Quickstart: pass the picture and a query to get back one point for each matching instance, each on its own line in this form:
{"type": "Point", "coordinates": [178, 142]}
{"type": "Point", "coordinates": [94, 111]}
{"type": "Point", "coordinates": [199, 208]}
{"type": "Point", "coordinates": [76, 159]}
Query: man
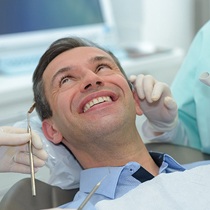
{"type": "Point", "coordinates": [85, 102]}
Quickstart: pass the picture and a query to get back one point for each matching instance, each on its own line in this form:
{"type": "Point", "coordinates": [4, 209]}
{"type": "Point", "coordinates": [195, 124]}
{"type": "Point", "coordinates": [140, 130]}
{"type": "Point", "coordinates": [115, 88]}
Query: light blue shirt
{"type": "Point", "coordinates": [117, 182]}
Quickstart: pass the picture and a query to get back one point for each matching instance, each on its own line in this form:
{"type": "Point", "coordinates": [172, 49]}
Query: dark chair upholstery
{"type": "Point", "coordinates": [19, 196]}
{"type": "Point", "coordinates": [182, 154]}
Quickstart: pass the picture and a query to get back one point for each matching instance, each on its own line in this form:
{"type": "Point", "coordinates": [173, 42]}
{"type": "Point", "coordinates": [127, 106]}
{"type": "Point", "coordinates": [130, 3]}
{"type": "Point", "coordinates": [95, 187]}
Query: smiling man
{"type": "Point", "coordinates": [85, 101]}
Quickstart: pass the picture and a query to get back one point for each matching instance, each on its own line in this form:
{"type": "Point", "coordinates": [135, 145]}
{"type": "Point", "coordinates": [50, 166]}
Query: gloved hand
{"type": "Point", "coordinates": [14, 156]}
{"type": "Point", "coordinates": [157, 103]}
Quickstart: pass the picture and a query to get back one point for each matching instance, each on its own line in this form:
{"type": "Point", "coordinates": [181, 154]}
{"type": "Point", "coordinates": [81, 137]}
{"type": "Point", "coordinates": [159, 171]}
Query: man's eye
{"type": "Point", "coordinates": [64, 80]}
{"type": "Point", "coordinates": [102, 67]}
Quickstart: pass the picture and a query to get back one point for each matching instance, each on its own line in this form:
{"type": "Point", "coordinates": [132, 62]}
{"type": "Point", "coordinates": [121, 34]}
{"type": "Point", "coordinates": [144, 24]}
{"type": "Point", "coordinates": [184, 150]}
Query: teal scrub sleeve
{"type": "Point", "coordinates": [192, 96]}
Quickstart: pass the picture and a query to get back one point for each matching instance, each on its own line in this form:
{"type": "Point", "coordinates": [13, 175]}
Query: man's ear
{"type": "Point", "coordinates": [137, 102]}
{"type": "Point", "coordinates": [51, 132]}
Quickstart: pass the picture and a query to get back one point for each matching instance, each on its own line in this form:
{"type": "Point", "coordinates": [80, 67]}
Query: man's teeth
{"type": "Point", "coordinates": [96, 101]}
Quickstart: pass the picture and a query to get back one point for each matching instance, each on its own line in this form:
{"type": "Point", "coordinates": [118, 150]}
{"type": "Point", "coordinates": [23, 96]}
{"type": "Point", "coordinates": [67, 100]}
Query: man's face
{"type": "Point", "coordinates": [88, 95]}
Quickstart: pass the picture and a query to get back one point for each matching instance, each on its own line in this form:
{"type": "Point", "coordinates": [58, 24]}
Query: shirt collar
{"type": "Point", "coordinates": [90, 177]}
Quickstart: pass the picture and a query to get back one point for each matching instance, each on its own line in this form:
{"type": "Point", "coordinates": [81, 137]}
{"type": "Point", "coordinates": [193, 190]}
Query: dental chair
{"type": "Point", "coordinates": [182, 154]}
{"type": "Point", "coordinates": [19, 196]}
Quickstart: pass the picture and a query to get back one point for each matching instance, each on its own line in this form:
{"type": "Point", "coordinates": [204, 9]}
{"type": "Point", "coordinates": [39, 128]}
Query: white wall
{"type": "Point", "coordinates": [128, 18]}
{"type": "Point", "coordinates": [169, 23]}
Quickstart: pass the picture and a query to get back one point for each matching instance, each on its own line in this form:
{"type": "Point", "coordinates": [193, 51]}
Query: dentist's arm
{"type": "Point", "coordinates": [157, 103]}
{"type": "Point", "coordinates": [14, 155]}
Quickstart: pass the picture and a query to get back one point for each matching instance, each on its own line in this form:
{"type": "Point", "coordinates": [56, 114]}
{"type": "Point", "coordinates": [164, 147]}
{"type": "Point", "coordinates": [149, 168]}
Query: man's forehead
{"type": "Point", "coordinates": [79, 54]}
{"type": "Point", "coordinates": [86, 53]}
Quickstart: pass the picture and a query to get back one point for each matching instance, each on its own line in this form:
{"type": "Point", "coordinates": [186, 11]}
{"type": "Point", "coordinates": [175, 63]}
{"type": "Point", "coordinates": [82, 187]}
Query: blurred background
{"type": "Point", "coordinates": [148, 36]}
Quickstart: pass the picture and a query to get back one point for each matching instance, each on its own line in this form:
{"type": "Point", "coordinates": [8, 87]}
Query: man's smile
{"type": "Point", "coordinates": [96, 101]}
{"type": "Point", "coordinates": [97, 98]}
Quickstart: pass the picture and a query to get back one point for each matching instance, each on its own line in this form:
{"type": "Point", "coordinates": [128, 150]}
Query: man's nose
{"type": "Point", "coordinates": [91, 81]}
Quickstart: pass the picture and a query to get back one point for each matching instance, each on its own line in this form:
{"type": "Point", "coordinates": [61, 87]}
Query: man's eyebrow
{"type": "Point", "coordinates": [68, 68]}
{"type": "Point", "coordinates": [60, 71]}
{"type": "Point", "coordinates": [101, 58]}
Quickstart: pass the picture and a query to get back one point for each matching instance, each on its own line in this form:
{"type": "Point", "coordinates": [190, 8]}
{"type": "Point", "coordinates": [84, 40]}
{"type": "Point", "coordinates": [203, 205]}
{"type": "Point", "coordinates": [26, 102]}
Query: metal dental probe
{"type": "Point", "coordinates": [33, 186]}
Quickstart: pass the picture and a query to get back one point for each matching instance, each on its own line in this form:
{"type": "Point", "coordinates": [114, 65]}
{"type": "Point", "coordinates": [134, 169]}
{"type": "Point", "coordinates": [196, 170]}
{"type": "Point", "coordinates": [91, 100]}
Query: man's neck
{"type": "Point", "coordinates": [117, 153]}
